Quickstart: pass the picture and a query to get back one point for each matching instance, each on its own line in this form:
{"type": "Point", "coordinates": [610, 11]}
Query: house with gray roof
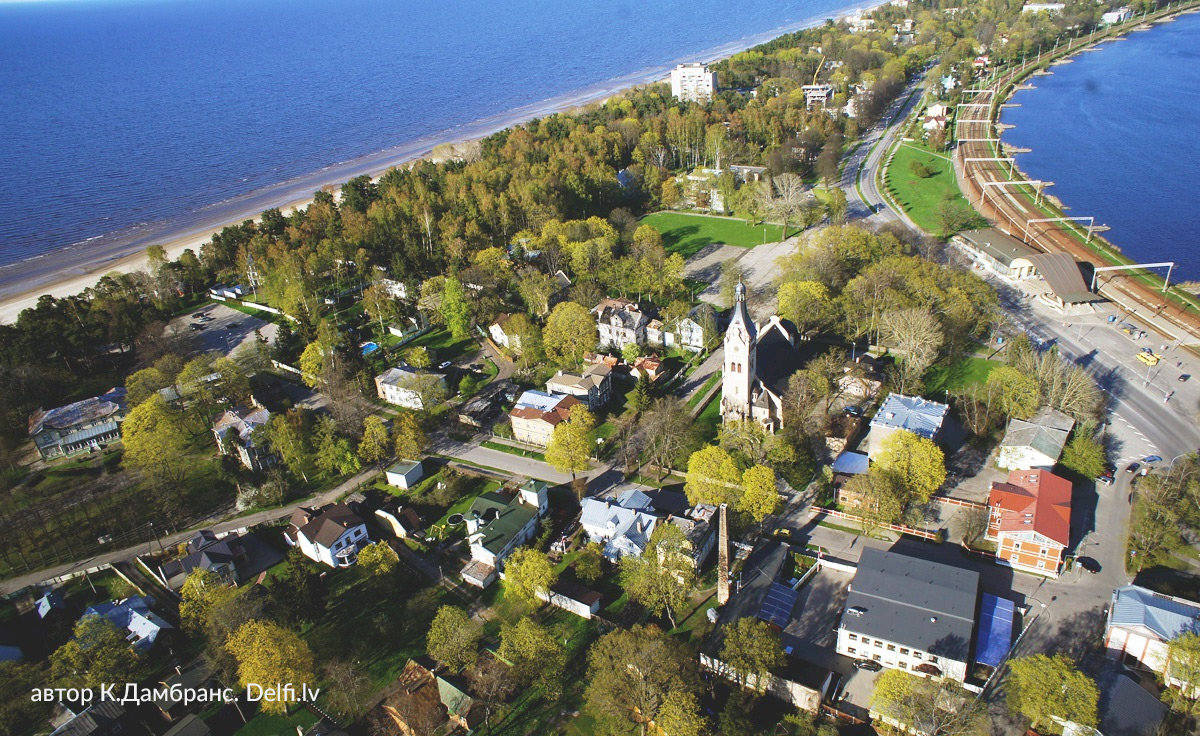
{"type": "Point", "coordinates": [237, 434]}
{"type": "Point", "coordinates": [1141, 625]}
{"type": "Point", "coordinates": [998, 252]}
{"type": "Point", "coordinates": [1035, 444]}
{"type": "Point", "coordinates": [914, 414]}
{"type": "Point", "coordinates": [134, 616]}
{"type": "Point", "coordinates": [910, 614]}
{"type": "Point", "coordinates": [621, 531]}
{"type": "Point", "coordinates": [593, 386]}
{"type": "Point", "coordinates": [620, 322]}
{"type": "Point", "coordinates": [497, 524]}
{"type": "Point", "coordinates": [79, 427]}
{"type": "Point", "coordinates": [220, 556]}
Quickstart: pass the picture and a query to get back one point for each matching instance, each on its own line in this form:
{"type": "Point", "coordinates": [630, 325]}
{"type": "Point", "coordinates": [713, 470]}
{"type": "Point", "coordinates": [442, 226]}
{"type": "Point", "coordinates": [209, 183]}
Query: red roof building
{"type": "Point", "coordinates": [1029, 519]}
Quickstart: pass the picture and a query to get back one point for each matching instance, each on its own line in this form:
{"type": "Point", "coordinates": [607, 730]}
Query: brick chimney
{"type": "Point", "coordinates": [723, 558]}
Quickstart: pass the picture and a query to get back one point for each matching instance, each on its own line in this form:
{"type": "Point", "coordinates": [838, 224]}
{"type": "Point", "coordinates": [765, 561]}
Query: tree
{"type": "Point", "coordinates": [570, 332]}
{"type": "Point", "coordinates": [143, 384]}
{"type": "Point", "coordinates": [377, 560]}
{"type": "Point", "coordinates": [18, 713]}
{"type": "Point", "coordinates": [785, 196]}
{"type": "Point", "coordinates": [571, 443]}
{"type": "Point", "coordinates": [589, 565]}
{"type": "Point", "coordinates": [456, 309]}
{"type": "Point", "coordinates": [289, 437]}
{"type": "Point", "coordinates": [1183, 674]}
{"type": "Point", "coordinates": [200, 592]}
{"type": "Point", "coordinates": [640, 398]}
{"type": "Point", "coordinates": [156, 441]}
{"type": "Point", "coordinates": [917, 336]}
{"type": "Point", "coordinates": [335, 454]}
{"type": "Point", "coordinates": [375, 445]}
{"type": "Point", "coordinates": [297, 594]}
{"type": "Point", "coordinates": [752, 649]}
{"type": "Point", "coordinates": [881, 500]}
{"type": "Point", "coordinates": [1040, 687]}
{"type": "Point", "coordinates": [952, 216]}
{"type": "Point", "coordinates": [630, 352]}
{"type": "Point", "coordinates": [491, 684]}
{"type": "Point", "coordinates": [935, 707]}
{"type": "Point", "coordinates": [313, 364]}
{"type": "Point", "coordinates": [1083, 455]}
{"type": "Point", "coordinates": [680, 715]}
{"type": "Point", "coordinates": [536, 655]}
{"type": "Point", "coordinates": [528, 572]}
{"type": "Point", "coordinates": [631, 673]}
{"type": "Point", "coordinates": [712, 477]}
{"type": "Point", "coordinates": [759, 498]}
{"type": "Point", "coordinates": [662, 578]}
{"type": "Point", "coordinates": [732, 274]}
{"type": "Point", "coordinates": [837, 206]}
{"type": "Point", "coordinates": [1016, 393]}
{"type": "Point", "coordinates": [268, 653]}
{"type": "Point", "coordinates": [352, 689]}
{"type": "Point", "coordinates": [453, 639]}
{"type": "Point", "coordinates": [663, 431]}
{"type": "Point", "coordinates": [410, 438]}
{"type": "Point", "coordinates": [806, 303]}
{"type": "Point", "coordinates": [97, 654]}
{"type": "Point", "coordinates": [917, 463]}
{"type": "Point", "coordinates": [418, 357]}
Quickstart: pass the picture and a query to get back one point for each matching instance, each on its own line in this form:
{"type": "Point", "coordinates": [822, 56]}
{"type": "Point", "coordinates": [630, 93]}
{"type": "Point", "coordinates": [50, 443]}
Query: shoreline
{"type": "Point", "coordinates": [73, 268]}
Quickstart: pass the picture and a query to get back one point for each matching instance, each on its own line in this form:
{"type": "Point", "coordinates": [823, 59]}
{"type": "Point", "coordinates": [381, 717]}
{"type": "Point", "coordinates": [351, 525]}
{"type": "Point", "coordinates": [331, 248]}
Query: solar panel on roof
{"type": "Point", "coordinates": [995, 629]}
{"type": "Point", "coordinates": [777, 605]}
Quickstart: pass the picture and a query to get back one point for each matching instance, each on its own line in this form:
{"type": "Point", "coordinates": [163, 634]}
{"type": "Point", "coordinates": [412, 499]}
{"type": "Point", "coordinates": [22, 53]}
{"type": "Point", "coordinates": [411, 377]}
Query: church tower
{"type": "Point", "coordinates": [741, 349]}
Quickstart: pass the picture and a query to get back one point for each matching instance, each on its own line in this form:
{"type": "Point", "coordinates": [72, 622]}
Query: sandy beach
{"type": "Point", "coordinates": [76, 267]}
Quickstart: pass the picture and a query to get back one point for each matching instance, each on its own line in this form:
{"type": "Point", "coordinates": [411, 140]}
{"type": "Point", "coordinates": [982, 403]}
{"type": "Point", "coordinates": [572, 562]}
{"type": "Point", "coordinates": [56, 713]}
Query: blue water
{"type": "Point", "coordinates": [1118, 132]}
{"type": "Point", "coordinates": [120, 113]}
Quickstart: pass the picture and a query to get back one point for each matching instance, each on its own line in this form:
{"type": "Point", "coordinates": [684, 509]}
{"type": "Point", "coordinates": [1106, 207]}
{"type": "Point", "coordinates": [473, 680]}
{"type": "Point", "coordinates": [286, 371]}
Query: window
{"type": "Point", "coordinates": [916, 655]}
{"type": "Point", "coordinates": [876, 657]}
{"type": "Point", "coordinates": [933, 659]}
{"type": "Point", "coordinates": [1017, 546]}
{"type": "Point", "coordinates": [1041, 564]}
{"type": "Point", "coordinates": [850, 650]}
{"type": "Point", "coordinates": [1045, 551]}
{"type": "Point", "coordinates": [878, 643]}
{"type": "Point", "coordinates": [903, 666]}
{"type": "Point", "coordinates": [853, 637]}
{"type": "Point", "coordinates": [891, 647]}
{"type": "Point", "coordinates": [904, 650]}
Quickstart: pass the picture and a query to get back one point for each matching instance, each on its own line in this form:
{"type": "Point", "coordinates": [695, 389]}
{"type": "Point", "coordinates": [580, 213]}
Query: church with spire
{"type": "Point", "coordinates": [759, 360]}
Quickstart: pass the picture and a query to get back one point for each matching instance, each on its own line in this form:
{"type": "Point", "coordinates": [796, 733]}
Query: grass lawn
{"type": "Point", "coordinates": [708, 420]}
{"type": "Point", "coordinates": [919, 196]}
{"type": "Point", "coordinates": [959, 374]}
{"type": "Point", "coordinates": [712, 381]}
{"type": "Point", "coordinates": [687, 234]}
{"type": "Point", "coordinates": [443, 345]}
{"type": "Point", "coordinates": [513, 450]}
{"type": "Point", "coordinates": [267, 724]}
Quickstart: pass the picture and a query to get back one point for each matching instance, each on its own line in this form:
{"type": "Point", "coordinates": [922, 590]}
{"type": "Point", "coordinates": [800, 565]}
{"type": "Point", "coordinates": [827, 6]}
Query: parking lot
{"type": "Point", "coordinates": [226, 331]}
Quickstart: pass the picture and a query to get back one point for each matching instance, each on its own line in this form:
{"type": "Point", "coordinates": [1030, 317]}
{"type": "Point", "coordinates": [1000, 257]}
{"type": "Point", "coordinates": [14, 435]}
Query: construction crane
{"type": "Point", "coordinates": [820, 64]}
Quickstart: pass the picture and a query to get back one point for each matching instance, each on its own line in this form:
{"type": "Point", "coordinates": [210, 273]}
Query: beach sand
{"type": "Point", "coordinates": [71, 270]}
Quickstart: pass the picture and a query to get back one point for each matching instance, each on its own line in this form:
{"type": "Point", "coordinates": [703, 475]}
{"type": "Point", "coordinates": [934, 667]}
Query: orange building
{"type": "Point", "coordinates": [1030, 521]}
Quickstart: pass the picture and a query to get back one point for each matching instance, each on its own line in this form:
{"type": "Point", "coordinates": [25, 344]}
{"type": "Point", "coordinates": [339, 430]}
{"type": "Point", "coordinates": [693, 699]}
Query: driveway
{"type": "Point", "coordinates": [228, 332]}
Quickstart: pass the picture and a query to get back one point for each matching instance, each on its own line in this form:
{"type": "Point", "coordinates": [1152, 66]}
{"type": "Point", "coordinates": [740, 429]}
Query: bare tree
{"type": "Point", "coordinates": [787, 197]}
{"type": "Point", "coordinates": [917, 336]}
{"type": "Point", "coordinates": [664, 431]}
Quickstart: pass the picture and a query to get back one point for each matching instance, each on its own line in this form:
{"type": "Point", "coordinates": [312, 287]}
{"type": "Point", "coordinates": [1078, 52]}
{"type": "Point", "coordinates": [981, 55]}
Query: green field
{"type": "Point", "coordinates": [959, 374]}
{"type": "Point", "coordinates": [688, 234]}
{"type": "Point", "coordinates": [919, 196]}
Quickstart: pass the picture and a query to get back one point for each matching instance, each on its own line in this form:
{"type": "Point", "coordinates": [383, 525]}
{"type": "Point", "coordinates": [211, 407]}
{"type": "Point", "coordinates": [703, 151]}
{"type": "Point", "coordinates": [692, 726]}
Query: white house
{"type": "Point", "coordinates": [243, 422]}
{"type": "Point", "coordinates": [536, 414]}
{"type": "Point", "coordinates": [1120, 15]}
{"type": "Point", "coordinates": [1141, 625]}
{"type": "Point", "coordinates": [410, 388]}
{"type": "Point", "coordinates": [332, 535]}
{"type": "Point", "coordinates": [502, 334]}
{"type": "Point", "coordinates": [497, 524]}
{"type": "Point", "coordinates": [1048, 8]}
{"type": "Point", "coordinates": [910, 614]}
{"type": "Point", "coordinates": [620, 323]}
{"type": "Point", "coordinates": [622, 531]}
{"type": "Point", "coordinates": [817, 94]}
{"type": "Point", "coordinates": [404, 473]}
{"type": "Point", "coordinates": [1036, 443]}
{"type": "Point", "coordinates": [401, 520]}
{"type": "Point", "coordinates": [593, 387]}
{"type": "Point", "coordinates": [693, 82]}
{"type": "Point", "coordinates": [909, 413]}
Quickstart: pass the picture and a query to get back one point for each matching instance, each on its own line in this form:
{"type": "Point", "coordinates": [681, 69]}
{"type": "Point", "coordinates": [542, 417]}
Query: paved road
{"type": "Point", "coordinates": [471, 452]}
{"type": "Point", "coordinates": [258, 517]}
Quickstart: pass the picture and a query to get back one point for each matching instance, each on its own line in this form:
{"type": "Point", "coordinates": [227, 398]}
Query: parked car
{"type": "Point", "coordinates": [869, 665]}
{"type": "Point", "coordinates": [1184, 376]}
{"type": "Point", "coordinates": [1151, 459]}
{"type": "Point", "coordinates": [853, 411]}
{"type": "Point", "coordinates": [445, 364]}
{"type": "Point", "coordinates": [1106, 478]}
{"type": "Point", "coordinates": [1087, 563]}
{"type": "Point", "coordinates": [197, 328]}
{"type": "Point", "coordinates": [1132, 467]}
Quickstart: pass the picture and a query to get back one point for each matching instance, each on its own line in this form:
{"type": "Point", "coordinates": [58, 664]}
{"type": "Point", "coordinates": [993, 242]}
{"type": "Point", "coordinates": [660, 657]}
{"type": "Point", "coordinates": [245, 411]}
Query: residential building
{"type": "Point", "coordinates": [758, 363]}
{"type": "Point", "coordinates": [395, 289]}
{"type": "Point", "coordinates": [1120, 15]}
{"type": "Point", "coordinates": [497, 524]}
{"type": "Point", "coordinates": [593, 386]}
{"type": "Point", "coordinates": [536, 414]}
{"type": "Point", "coordinates": [104, 717]}
{"type": "Point", "coordinates": [206, 551]}
{"type": "Point", "coordinates": [817, 94]}
{"type": "Point", "coordinates": [748, 174]}
{"type": "Point", "coordinates": [1029, 519]}
{"type": "Point", "coordinates": [401, 520]}
{"type": "Point", "coordinates": [430, 698]}
{"type": "Point", "coordinates": [620, 323]}
{"type": "Point", "coordinates": [1049, 8]}
{"type": "Point", "coordinates": [649, 367]}
{"type": "Point", "coordinates": [332, 535]}
{"type": "Point", "coordinates": [1036, 443]}
{"type": "Point", "coordinates": [404, 473]}
{"type": "Point", "coordinates": [189, 725]}
{"type": "Point", "coordinates": [910, 614]}
{"type": "Point", "coordinates": [410, 388]}
{"type": "Point", "coordinates": [84, 426]}
{"type": "Point", "coordinates": [909, 413]}
{"type": "Point", "coordinates": [503, 335]}
{"type": "Point", "coordinates": [698, 536]}
{"type": "Point", "coordinates": [659, 335]}
{"type": "Point", "coordinates": [860, 25]}
{"type": "Point", "coordinates": [621, 530]}
{"type": "Point", "coordinates": [931, 123]}
{"type": "Point", "coordinates": [573, 597]}
{"type": "Point", "coordinates": [689, 330]}
{"type": "Point", "coordinates": [693, 82]}
{"type": "Point", "coordinates": [133, 615]}
{"type": "Point", "coordinates": [172, 702]}
{"type": "Point", "coordinates": [1141, 625]}
{"type": "Point", "coordinates": [997, 252]}
{"type": "Point", "coordinates": [235, 433]}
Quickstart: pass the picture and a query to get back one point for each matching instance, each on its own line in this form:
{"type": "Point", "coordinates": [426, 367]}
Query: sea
{"type": "Point", "coordinates": [1118, 132]}
{"type": "Point", "coordinates": [127, 121]}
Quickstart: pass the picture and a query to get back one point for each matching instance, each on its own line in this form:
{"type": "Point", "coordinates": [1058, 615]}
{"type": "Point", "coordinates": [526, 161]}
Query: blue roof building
{"type": "Point", "coordinates": [1141, 624]}
{"type": "Point", "coordinates": [914, 414]}
{"type": "Point", "coordinates": [132, 614]}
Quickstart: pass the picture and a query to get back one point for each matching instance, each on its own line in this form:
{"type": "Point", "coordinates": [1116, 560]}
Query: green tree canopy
{"type": "Point", "coordinates": [759, 496]}
{"type": "Point", "coordinates": [155, 440]}
{"type": "Point", "coordinates": [752, 649]}
{"type": "Point", "coordinates": [453, 639]}
{"type": "Point", "coordinates": [928, 705]}
{"type": "Point", "coordinates": [662, 577]}
{"type": "Point", "coordinates": [536, 655]}
{"type": "Point", "coordinates": [571, 443]}
{"type": "Point", "coordinates": [376, 444]}
{"type": "Point", "coordinates": [269, 653]}
{"type": "Point", "coordinates": [1040, 687]}
{"type": "Point", "coordinates": [528, 572]}
{"type": "Point", "coordinates": [917, 463]}
{"type": "Point", "coordinates": [631, 672]}
{"type": "Point", "coordinates": [97, 654]}
{"type": "Point", "coordinates": [712, 477]}
{"type": "Point", "coordinates": [570, 332]}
